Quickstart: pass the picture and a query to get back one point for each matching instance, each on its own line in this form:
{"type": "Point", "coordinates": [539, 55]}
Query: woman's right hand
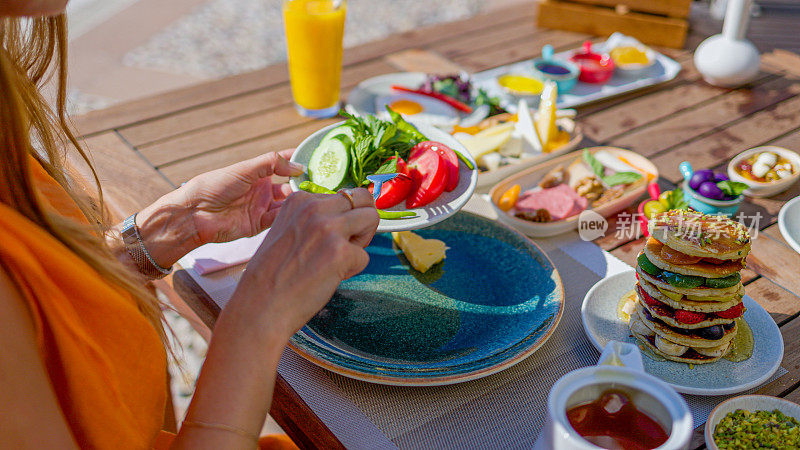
{"type": "Point", "coordinates": [316, 241]}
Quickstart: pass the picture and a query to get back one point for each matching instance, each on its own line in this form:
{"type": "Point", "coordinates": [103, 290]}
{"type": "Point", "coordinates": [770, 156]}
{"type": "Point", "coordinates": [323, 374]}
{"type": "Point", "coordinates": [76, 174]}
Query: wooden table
{"type": "Point", "coordinates": [154, 144]}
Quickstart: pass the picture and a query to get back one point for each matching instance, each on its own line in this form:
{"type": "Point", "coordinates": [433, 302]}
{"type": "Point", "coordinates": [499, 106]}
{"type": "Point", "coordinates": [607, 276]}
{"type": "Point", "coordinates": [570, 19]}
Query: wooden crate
{"type": "Point", "coordinates": [602, 20]}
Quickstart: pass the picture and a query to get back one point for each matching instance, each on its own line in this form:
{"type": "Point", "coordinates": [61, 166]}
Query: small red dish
{"type": "Point", "coordinates": [595, 67]}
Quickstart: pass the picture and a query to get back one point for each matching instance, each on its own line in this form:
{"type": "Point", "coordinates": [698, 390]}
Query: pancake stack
{"type": "Point", "coordinates": [690, 289]}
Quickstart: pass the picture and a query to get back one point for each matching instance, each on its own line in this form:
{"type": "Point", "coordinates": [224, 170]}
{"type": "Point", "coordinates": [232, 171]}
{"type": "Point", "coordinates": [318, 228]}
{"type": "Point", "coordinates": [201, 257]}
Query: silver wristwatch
{"type": "Point", "coordinates": [135, 247]}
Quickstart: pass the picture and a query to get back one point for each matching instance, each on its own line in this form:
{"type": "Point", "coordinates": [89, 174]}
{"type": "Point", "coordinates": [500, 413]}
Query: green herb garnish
{"type": "Point", "coordinates": [621, 178]}
{"type": "Point", "coordinates": [610, 180]}
{"type": "Point", "coordinates": [674, 199]}
{"type": "Point", "coordinates": [374, 141]}
{"type": "Point", "coordinates": [597, 166]}
{"type": "Point", "coordinates": [732, 188]}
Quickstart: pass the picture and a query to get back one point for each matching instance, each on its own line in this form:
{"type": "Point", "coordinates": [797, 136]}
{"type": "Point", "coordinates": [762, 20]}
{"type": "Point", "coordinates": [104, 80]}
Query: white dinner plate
{"type": "Point", "coordinates": [789, 223]}
{"type": "Point", "coordinates": [601, 324]}
{"type": "Point", "coordinates": [440, 209]}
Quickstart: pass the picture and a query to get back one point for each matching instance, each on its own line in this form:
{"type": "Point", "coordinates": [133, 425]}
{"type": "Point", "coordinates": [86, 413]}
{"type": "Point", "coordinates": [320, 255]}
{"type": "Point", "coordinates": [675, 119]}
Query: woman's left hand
{"type": "Point", "coordinates": [239, 200]}
{"type": "Point", "coordinates": [222, 205]}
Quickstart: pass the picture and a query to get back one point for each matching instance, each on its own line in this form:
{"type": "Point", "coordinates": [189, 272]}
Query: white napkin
{"type": "Point", "coordinates": [211, 258]}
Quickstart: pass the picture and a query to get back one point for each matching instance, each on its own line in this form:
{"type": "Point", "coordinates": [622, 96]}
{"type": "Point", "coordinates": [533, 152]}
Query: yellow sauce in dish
{"type": "Point", "coordinates": [521, 84]}
{"type": "Point", "coordinates": [629, 55]}
{"type": "Point", "coordinates": [742, 344]}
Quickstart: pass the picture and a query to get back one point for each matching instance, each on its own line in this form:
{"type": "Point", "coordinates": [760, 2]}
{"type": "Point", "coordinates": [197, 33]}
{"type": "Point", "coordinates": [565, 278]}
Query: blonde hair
{"type": "Point", "coordinates": [31, 51]}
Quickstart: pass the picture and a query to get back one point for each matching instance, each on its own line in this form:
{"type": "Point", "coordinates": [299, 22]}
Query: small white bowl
{"type": "Point", "coordinates": [757, 188]}
{"type": "Point", "coordinates": [750, 403]}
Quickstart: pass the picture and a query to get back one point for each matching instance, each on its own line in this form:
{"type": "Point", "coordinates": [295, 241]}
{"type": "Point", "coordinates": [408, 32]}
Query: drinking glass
{"type": "Point", "coordinates": [314, 32]}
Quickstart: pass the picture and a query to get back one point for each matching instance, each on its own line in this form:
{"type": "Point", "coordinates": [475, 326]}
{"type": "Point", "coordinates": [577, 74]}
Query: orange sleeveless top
{"type": "Point", "coordinates": [105, 361]}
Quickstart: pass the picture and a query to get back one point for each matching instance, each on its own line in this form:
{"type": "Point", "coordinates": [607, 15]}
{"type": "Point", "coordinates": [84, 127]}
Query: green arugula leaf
{"type": "Point", "coordinates": [621, 178]}
{"type": "Point", "coordinates": [732, 188]}
{"type": "Point", "coordinates": [597, 166]}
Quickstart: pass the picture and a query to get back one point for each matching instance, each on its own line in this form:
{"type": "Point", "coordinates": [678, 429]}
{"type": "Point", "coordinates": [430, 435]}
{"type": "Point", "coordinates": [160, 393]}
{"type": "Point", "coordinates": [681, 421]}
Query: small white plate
{"type": "Point", "coordinates": [601, 324]}
{"type": "Point", "coordinates": [443, 207]}
{"type": "Point", "coordinates": [750, 403]}
{"type": "Point", "coordinates": [789, 223]}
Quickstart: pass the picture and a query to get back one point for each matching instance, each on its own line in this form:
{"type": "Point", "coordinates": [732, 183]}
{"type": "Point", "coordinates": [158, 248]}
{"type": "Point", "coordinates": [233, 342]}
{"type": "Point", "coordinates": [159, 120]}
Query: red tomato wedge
{"type": "Point", "coordinates": [396, 190]}
{"type": "Point", "coordinates": [449, 157]}
{"type": "Point", "coordinates": [429, 172]}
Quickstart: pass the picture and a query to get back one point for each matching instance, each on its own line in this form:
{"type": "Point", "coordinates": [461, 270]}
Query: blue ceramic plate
{"type": "Point", "coordinates": [492, 302]}
{"type": "Point", "coordinates": [599, 313]}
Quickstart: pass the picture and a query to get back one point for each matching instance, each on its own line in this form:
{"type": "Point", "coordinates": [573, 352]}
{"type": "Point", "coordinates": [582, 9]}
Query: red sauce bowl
{"type": "Point", "coordinates": [595, 67]}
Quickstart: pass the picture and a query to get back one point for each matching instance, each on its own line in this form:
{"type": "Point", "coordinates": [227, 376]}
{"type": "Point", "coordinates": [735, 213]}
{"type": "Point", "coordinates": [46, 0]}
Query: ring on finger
{"type": "Point", "coordinates": [346, 194]}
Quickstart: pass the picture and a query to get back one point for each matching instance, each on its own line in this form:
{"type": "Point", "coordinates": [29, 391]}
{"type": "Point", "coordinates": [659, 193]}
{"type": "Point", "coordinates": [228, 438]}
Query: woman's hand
{"type": "Point", "coordinates": [239, 200]}
{"type": "Point", "coordinates": [218, 206]}
{"type": "Point", "coordinates": [316, 242]}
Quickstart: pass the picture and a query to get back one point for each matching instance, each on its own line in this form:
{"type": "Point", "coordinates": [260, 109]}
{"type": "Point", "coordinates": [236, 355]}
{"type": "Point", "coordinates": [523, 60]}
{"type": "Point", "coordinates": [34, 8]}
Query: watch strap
{"type": "Point", "coordinates": [138, 252]}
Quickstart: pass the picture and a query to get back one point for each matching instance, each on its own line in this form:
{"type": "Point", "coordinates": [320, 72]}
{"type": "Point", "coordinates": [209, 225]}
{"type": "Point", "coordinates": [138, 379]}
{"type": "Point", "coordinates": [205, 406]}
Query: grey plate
{"type": "Point", "coordinates": [443, 207]}
{"type": "Point", "coordinates": [599, 314]}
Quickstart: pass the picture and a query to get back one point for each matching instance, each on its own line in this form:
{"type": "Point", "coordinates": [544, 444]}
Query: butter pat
{"type": "Point", "coordinates": [421, 253]}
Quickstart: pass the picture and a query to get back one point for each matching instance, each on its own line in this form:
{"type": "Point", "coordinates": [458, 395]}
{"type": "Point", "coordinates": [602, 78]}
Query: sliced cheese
{"type": "Point", "coordinates": [546, 116]}
{"type": "Point", "coordinates": [480, 145]}
{"type": "Point", "coordinates": [421, 253]}
{"type": "Point", "coordinates": [525, 129]}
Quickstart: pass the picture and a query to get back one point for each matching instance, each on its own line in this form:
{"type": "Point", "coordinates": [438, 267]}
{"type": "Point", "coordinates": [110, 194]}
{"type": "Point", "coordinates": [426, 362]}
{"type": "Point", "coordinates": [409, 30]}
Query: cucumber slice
{"type": "Point", "coordinates": [345, 131]}
{"type": "Point", "coordinates": [730, 280]}
{"type": "Point", "coordinates": [647, 266]}
{"type": "Point", "coordinates": [683, 281]}
{"type": "Point", "coordinates": [329, 163]}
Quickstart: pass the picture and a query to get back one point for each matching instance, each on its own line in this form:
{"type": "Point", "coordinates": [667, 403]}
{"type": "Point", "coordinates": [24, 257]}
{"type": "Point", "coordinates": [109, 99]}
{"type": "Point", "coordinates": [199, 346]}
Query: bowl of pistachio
{"type": "Point", "coordinates": [754, 421]}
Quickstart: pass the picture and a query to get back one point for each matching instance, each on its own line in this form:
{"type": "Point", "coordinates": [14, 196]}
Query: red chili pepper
{"type": "Point", "coordinates": [438, 96]}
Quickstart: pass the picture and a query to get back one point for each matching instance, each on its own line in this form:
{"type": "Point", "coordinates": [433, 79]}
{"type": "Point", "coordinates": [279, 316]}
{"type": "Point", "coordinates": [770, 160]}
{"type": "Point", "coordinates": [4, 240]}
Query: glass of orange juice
{"type": "Point", "coordinates": [314, 32]}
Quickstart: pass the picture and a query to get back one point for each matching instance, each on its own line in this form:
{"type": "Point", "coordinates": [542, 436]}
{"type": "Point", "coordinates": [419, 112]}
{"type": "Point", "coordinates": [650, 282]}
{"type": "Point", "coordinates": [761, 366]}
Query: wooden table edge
{"type": "Point", "coordinates": [288, 409]}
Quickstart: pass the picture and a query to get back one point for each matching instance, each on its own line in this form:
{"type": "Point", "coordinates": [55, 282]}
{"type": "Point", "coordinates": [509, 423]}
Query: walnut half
{"type": "Point", "coordinates": [589, 187]}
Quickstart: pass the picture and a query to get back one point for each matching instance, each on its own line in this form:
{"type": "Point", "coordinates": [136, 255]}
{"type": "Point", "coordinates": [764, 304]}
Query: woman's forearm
{"type": "Point", "coordinates": [237, 379]}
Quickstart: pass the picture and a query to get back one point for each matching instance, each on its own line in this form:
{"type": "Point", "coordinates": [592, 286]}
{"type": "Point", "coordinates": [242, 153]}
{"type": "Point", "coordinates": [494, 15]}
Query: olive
{"type": "Point", "coordinates": [712, 333]}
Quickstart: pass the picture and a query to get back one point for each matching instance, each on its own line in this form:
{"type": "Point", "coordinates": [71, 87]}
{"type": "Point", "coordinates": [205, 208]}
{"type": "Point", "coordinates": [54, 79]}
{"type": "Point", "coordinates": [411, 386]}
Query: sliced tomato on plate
{"type": "Point", "coordinates": [449, 157]}
{"type": "Point", "coordinates": [395, 190]}
{"type": "Point", "coordinates": [428, 170]}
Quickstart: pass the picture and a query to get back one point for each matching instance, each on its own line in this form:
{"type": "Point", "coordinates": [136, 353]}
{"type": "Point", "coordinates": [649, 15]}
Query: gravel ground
{"type": "Point", "coordinates": [226, 37]}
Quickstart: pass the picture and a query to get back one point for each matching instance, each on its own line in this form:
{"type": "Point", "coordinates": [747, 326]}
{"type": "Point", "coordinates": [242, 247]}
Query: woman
{"type": "Point", "coordinates": [83, 361]}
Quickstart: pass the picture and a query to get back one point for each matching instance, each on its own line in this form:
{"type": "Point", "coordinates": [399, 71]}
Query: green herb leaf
{"type": "Point", "coordinates": [675, 200]}
{"type": "Point", "coordinates": [732, 188]}
{"type": "Point", "coordinates": [622, 178]}
{"type": "Point", "coordinates": [597, 166]}
{"type": "Point", "coordinates": [389, 166]}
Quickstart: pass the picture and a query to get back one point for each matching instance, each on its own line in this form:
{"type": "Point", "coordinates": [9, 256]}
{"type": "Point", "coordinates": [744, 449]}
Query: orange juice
{"type": "Point", "coordinates": [314, 32]}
